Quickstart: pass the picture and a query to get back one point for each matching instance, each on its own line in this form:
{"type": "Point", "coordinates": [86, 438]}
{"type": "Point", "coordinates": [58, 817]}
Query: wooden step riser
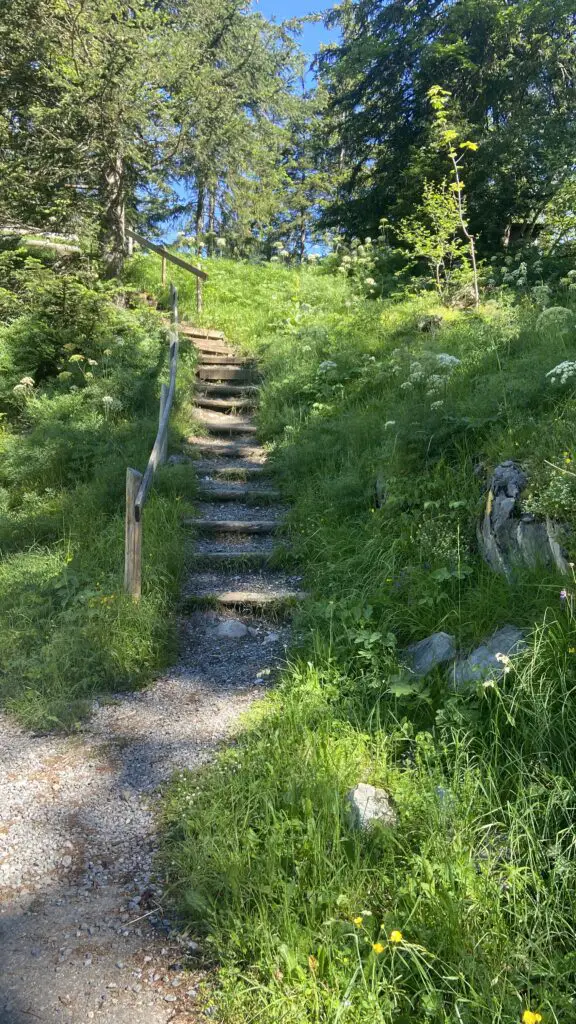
{"type": "Point", "coordinates": [210, 467]}
{"type": "Point", "coordinates": [201, 333]}
{"type": "Point", "coordinates": [244, 599]}
{"type": "Point", "coordinates": [227, 390]}
{"type": "Point", "coordinates": [221, 373]}
{"type": "Point", "coordinates": [221, 405]}
{"type": "Point", "coordinates": [222, 429]}
{"type": "Point", "coordinates": [228, 360]}
{"type": "Point", "coordinates": [229, 451]}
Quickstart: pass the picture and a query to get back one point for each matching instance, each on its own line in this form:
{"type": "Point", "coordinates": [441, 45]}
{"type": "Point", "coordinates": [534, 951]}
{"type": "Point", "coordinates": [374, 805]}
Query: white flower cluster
{"type": "Point", "coordinates": [327, 365]}
{"type": "Point", "coordinates": [562, 373]}
{"type": "Point", "coordinates": [432, 373]}
{"type": "Point", "coordinates": [555, 319]}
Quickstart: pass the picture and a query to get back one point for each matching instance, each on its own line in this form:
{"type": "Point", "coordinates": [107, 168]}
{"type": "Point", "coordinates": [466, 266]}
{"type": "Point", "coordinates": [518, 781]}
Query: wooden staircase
{"type": "Point", "coordinates": [239, 518]}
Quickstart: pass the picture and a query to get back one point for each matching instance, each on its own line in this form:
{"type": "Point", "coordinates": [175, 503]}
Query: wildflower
{"type": "Point", "coordinates": [572, 650]}
{"type": "Point", "coordinates": [377, 947]}
{"type": "Point", "coordinates": [358, 920]}
{"type": "Point", "coordinates": [503, 659]}
{"type": "Point", "coordinates": [528, 1017]}
{"type": "Point", "coordinates": [366, 913]}
{"type": "Point", "coordinates": [313, 964]}
{"type": "Point", "coordinates": [396, 936]}
{"type": "Point", "coordinates": [563, 595]}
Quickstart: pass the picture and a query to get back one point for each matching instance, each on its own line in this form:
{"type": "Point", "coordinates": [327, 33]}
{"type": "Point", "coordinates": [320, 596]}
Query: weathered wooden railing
{"type": "Point", "coordinates": [200, 275]}
{"type": "Point", "coordinates": [137, 484]}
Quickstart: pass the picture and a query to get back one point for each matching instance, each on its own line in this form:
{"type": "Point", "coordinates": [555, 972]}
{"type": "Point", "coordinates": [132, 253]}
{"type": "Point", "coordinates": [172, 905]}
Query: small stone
{"type": "Point", "coordinates": [66, 861]}
{"type": "Point", "coordinates": [137, 988]}
{"type": "Point", "coordinates": [68, 845]}
{"type": "Point", "coordinates": [120, 965]}
{"type": "Point", "coordinates": [272, 638]}
{"type": "Point", "coordinates": [126, 795]}
{"type": "Point", "coordinates": [368, 804]}
{"type": "Point", "coordinates": [170, 999]}
{"type": "Point", "coordinates": [231, 629]}
{"type": "Point", "coordinates": [112, 984]}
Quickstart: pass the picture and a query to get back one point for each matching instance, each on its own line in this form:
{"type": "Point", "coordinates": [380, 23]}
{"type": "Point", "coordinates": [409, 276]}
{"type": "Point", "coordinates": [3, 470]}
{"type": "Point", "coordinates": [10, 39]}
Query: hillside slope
{"type": "Point", "coordinates": [386, 420]}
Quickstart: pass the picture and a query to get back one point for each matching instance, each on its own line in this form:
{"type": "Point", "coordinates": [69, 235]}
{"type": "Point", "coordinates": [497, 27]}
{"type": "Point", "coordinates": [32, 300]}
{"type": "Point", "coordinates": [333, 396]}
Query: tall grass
{"type": "Point", "coordinates": [386, 469]}
{"type": "Point", "coordinates": [88, 410]}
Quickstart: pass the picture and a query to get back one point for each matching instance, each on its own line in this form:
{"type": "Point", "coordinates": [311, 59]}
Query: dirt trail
{"type": "Point", "coordinates": [83, 928]}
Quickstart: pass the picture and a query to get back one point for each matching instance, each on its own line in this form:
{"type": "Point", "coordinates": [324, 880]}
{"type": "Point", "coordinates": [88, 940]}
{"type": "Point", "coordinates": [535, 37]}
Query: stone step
{"type": "Point", "coordinates": [247, 526]}
{"type": "Point", "coordinates": [221, 423]}
{"type": "Point", "coordinates": [240, 374]}
{"type": "Point", "coordinates": [224, 404]}
{"type": "Point", "coordinates": [250, 495]}
{"type": "Point", "coordinates": [227, 390]}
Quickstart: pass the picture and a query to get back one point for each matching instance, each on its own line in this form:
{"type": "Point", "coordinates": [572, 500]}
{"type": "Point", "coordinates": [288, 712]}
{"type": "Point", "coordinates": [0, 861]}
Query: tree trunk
{"type": "Point", "coordinates": [212, 222]}
{"type": "Point", "coordinates": [113, 217]}
{"type": "Point", "coordinates": [199, 217]}
{"type": "Point", "coordinates": [302, 236]}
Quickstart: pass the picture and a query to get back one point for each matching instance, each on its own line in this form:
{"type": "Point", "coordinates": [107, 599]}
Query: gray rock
{"type": "Point", "coordinates": [507, 537]}
{"type": "Point", "coordinates": [231, 629]}
{"type": "Point", "coordinates": [425, 655]}
{"type": "Point", "coordinates": [484, 663]}
{"type": "Point", "coordinates": [368, 804]}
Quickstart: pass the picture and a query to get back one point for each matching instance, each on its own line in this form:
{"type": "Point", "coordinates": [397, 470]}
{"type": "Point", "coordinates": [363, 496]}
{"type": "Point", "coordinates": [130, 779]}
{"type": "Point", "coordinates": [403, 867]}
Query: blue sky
{"type": "Point", "coordinates": [279, 10]}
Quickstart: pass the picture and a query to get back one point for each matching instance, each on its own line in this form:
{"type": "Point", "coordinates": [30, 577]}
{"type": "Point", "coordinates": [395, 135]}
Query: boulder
{"type": "Point", "coordinates": [368, 804]}
{"type": "Point", "coordinates": [422, 657]}
{"type": "Point", "coordinates": [507, 537]}
{"type": "Point", "coordinates": [488, 661]}
{"type": "Point", "coordinates": [231, 629]}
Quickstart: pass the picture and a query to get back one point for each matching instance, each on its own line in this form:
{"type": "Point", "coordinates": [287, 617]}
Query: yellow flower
{"type": "Point", "coordinates": [396, 936]}
{"type": "Point", "coordinates": [531, 1018]}
{"type": "Point", "coordinates": [358, 921]}
{"type": "Point", "coordinates": [378, 947]}
{"type": "Point", "coordinates": [572, 650]}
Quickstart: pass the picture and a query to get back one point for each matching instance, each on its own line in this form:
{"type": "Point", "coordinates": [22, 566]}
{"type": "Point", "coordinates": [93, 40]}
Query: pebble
{"type": "Point", "coordinates": [66, 861]}
{"type": "Point", "coordinates": [170, 999]}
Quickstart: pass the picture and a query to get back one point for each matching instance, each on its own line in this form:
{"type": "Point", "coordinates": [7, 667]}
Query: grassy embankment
{"type": "Point", "coordinates": [80, 379]}
{"type": "Point", "coordinates": [479, 876]}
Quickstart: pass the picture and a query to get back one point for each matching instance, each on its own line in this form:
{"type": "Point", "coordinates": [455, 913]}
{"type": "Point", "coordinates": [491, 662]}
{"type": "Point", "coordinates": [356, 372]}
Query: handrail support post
{"type": "Point", "coordinates": [133, 538]}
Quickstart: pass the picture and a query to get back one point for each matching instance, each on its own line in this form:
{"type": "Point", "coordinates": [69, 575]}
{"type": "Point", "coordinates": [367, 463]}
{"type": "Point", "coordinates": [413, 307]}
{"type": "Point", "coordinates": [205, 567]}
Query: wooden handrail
{"type": "Point", "coordinates": [138, 485]}
{"type": "Point", "coordinates": [159, 446]}
{"type": "Point", "coordinates": [166, 254]}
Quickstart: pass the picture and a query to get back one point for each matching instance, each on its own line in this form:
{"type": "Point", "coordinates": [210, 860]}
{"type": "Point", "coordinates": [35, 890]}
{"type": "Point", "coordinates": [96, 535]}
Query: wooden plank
{"type": "Point", "coordinates": [224, 404]}
{"type": "Point", "coordinates": [199, 295]}
{"type": "Point", "coordinates": [133, 538]}
{"type": "Point", "coordinates": [163, 274]}
{"type": "Point", "coordinates": [178, 262]}
{"type": "Point", "coordinates": [233, 373]}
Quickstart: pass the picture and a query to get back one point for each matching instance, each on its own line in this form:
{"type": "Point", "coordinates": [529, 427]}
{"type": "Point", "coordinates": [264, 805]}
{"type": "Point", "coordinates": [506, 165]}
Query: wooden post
{"type": "Point", "coordinates": [133, 538]}
{"type": "Point", "coordinates": [199, 295]}
{"type": "Point", "coordinates": [163, 271]}
{"type": "Point", "coordinates": [164, 447]}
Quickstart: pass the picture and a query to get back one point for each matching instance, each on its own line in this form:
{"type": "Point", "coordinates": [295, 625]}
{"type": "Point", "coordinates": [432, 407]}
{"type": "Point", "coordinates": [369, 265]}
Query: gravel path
{"type": "Point", "coordinates": [83, 929]}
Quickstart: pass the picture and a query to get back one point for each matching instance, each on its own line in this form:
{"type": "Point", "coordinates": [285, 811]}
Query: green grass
{"type": "Point", "coordinates": [479, 875]}
{"type": "Point", "coordinates": [67, 631]}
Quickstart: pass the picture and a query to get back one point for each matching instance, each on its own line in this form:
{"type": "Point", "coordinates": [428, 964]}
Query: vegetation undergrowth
{"type": "Point", "coordinates": [385, 419]}
{"type": "Point", "coordinates": [81, 374]}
